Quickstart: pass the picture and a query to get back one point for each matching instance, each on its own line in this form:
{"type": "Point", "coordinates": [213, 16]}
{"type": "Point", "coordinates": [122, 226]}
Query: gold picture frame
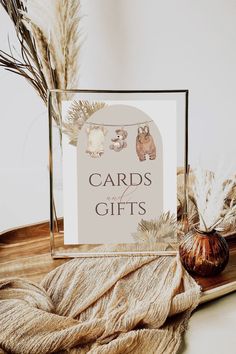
{"type": "Point", "coordinates": [57, 246]}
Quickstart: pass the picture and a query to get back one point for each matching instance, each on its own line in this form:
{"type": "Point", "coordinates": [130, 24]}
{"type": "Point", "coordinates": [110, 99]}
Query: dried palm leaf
{"type": "Point", "coordinates": [78, 113]}
{"type": "Point", "coordinates": [162, 230]}
{"type": "Point", "coordinates": [227, 222]}
{"type": "Point", "coordinates": [231, 198]}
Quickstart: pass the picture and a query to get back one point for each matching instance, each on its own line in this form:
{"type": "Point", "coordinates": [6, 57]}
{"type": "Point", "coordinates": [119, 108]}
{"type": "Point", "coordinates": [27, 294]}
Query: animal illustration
{"type": "Point", "coordinates": [119, 143]}
{"type": "Point", "coordinates": [96, 140]}
{"type": "Point", "coordinates": [145, 145]}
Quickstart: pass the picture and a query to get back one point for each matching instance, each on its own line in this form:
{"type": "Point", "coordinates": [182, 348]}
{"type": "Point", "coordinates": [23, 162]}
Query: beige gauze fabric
{"type": "Point", "coordinates": [99, 306]}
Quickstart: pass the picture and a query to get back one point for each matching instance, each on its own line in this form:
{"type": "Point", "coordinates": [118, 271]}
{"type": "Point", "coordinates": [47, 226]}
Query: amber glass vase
{"type": "Point", "coordinates": [204, 253]}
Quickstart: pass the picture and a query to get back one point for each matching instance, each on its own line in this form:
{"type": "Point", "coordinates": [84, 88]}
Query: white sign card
{"type": "Point", "coordinates": [120, 169]}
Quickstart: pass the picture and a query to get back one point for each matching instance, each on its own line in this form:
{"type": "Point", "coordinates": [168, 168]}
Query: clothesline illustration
{"type": "Point", "coordinates": [118, 125]}
{"type": "Point", "coordinates": [96, 136]}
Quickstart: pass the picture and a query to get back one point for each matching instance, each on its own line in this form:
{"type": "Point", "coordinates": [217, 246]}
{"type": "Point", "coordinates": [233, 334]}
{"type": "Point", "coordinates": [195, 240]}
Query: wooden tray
{"type": "Point", "coordinates": [24, 252]}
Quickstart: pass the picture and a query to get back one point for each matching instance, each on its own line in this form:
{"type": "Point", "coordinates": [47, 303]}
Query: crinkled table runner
{"type": "Point", "coordinates": [99, 305]}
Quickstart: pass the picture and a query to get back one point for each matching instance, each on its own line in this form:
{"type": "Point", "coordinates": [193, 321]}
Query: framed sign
{"type": "Point", "coordinates": [114, 157]}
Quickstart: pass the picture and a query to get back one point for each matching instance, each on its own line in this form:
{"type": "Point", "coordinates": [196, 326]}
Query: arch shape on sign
{"type": "Point", "coordinates": [120, 174]}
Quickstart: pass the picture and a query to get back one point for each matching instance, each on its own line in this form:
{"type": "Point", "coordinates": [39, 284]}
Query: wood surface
{"type": "Point", "coordinates": [25, 253]}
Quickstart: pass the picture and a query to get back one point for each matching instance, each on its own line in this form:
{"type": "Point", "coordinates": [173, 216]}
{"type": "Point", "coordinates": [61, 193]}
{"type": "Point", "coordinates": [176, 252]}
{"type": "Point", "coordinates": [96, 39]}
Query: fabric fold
{"type": "Point", "coordinates": [99, 305]}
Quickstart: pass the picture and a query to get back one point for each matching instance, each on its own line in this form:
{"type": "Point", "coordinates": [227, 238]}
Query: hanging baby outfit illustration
{"type": "Point", "coordinates": [145, 145]}
{"type": "Point", "coordinates": [119, 142]}
{"type": "Point", "coordinates": [96, 140]}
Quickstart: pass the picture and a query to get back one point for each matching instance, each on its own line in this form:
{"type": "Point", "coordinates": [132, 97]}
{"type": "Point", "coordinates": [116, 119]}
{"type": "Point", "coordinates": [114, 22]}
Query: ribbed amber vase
{"type": "Point", "coordinates": [204, 253]}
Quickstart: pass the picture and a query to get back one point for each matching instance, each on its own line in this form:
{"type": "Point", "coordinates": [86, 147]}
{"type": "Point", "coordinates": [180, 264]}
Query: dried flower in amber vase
{"type": "Point", "coordinates": [204, 253]}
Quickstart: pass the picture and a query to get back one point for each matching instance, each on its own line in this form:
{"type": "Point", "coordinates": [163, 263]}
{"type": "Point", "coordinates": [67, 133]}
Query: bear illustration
{"type": "Point", "coordinates": [145, 145]}
{"type": "Point", "coordinates": [96, 140]}
{"type": "Point", "coordinates": [119, 143]}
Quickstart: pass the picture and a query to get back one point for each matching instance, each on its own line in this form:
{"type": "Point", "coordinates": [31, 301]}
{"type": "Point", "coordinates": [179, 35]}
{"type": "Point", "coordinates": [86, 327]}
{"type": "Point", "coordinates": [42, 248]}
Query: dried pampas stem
{"type": "Point", "coordinates": [210, 192]}
{"type": "Point", "coordinates": [225, 223]}
{"type": "Point", "coordinates": [27, 64]}
{"type": "Point", "coordinates": [58, 23]}
{"type": "Point", "coordinates": [67, 21]}
{"type": "Point", "coordinates": [45, 53]}
{"type": "Point", "coordinates": [48, 34]}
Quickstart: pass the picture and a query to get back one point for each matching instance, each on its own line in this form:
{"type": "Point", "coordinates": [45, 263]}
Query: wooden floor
{"type": "Point", "coordinates": [25, 253]}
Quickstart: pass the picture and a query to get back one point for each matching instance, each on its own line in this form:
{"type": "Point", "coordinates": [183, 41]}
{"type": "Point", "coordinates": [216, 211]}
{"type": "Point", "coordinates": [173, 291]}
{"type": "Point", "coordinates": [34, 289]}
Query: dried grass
{"type": "Point", "coordinates": [48, 33]}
